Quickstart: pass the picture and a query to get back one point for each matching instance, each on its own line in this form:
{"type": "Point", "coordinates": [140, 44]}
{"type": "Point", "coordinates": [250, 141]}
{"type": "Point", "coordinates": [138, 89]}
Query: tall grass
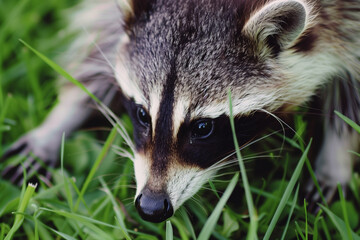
{"type": "Point", "coordinates": [91, 194]}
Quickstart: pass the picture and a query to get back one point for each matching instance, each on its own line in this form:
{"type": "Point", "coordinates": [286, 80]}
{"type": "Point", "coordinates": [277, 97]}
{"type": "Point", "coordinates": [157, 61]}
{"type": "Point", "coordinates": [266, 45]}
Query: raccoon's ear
{"type": "Point", "coordinates": [277, 24]}
{"type": "Point", "coordinates": [132, 9]}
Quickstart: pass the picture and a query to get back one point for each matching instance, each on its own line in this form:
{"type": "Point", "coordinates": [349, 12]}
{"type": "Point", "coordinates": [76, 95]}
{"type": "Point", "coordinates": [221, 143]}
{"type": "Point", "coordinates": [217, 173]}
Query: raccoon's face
{"type": "Point", "coordinates": [176, 66]}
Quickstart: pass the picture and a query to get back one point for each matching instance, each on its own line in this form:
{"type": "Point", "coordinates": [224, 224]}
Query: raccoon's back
{"type": "Point", "coordinates": [338, 26]}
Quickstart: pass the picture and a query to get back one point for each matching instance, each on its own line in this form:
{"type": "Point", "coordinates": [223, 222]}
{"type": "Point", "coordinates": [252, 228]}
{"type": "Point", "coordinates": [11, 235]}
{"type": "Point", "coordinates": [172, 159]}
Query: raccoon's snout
{"type": "Point", "coordinates": [154, 207]}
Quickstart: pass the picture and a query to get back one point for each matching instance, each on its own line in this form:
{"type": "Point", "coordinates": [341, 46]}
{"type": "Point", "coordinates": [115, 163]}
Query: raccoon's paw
{"type": "Point", "coordinates": [37, 155]}
{"type": "Point", "coordinates": [328, 191]}
{"type": "Point", "coordinates": [333, 165]}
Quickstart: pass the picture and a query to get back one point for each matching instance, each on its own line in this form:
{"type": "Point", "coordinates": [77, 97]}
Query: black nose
{"type": "Point", "coordinates": [154, 207]}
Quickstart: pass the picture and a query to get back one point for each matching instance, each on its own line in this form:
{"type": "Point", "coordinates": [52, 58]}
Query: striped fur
{"type": "Point", "coordinates": [175, 62]}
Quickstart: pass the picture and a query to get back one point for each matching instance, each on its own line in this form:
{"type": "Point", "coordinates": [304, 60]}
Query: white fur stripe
{"type": "Point", "coordinates": [179, 114]}
{"type": "Point", "coordinates": [128, 85]}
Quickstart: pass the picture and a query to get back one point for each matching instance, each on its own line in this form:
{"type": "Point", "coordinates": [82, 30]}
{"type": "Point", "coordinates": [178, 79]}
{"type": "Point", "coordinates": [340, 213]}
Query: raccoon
{"type": "Point", "coordinates": [171, 65]}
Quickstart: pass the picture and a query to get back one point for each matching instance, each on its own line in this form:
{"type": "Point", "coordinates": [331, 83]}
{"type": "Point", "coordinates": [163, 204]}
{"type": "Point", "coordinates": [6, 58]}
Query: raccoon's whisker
{"type": "Point", "coordinates": [206, 188]}
{"type": "Point", "coordinates": [125, 155]}
{"type": "Point", "coordinates": [113, 184]}
{"type": "Point", "coordinates": [112, 118]}
{"type": "Point", "coordinates": [196, 200]}
{"type": "Point", "coordinates": [123, 152]}
{"type": "Point", "coordinates": [258, 140]}
{"type": "Point", "coordinates": [266, 152]}
{"type": "Point", "coordinates": [116, 175]}
{"type": "Point", "coordinates": [183, 210]}
{"type": "Point", "coordinates": [234, 161]}
{"type": "Point", "coordinates": [115, 71]}
{"type": "Point", "coordinates": [100, 51]}
{"type": "Point", "coordinates": [119, 160]}
{"type": "Point", "coordinates": [97, 60]}
{"type": "Point", "coordinates": [282, 123]}
{"type": "Point", "coordinates": [247, 159]}
{"type": "Point", "coordinates": [129, 199]}
{"type": "Point", "coordinates": [220, 175]}
{"type": "Point", "coordinates": [297, 104]}
{"type": "Point", "coordinates": [221, 161]}
{"type": "Point", "coordinates": [241, 148]}
{"type": "Point", "coordinates": [123, 132]}
{"type": "Point", "coordinates": [116, 147]}
{"type": "Point", "coordinates": [129, 202]}
{"type": "Point", "coordinates": [124, 186]}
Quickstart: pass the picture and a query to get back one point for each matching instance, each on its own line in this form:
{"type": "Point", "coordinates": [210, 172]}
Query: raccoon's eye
{"type": "Point", "coordinates": [202, 129]}
{"type": "Point", "coordinates": [143, 117]}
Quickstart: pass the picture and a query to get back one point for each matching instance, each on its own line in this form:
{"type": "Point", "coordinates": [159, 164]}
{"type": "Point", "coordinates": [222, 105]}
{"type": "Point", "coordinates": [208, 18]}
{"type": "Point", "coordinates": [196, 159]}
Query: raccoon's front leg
{"type": "Point", "coordinates": [43, 143]}
{"type": "Point", "coordinates": [334, 163]}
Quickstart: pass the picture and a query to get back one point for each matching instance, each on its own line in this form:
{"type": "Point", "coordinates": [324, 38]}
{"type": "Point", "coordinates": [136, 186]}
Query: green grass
{"type": "Point", "coordinates": [91, 192]}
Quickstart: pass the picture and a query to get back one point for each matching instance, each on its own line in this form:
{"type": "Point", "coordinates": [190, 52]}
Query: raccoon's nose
{"type": "Point", "coordinates": [154, 207]}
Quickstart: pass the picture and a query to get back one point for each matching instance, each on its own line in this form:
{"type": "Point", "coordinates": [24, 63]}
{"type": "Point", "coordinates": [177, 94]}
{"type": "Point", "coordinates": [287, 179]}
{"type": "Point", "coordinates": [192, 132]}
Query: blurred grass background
{"type": "Point", "coordinates": [28, 91]}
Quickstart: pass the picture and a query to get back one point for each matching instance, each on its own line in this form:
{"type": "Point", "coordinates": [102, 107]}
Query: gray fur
{"type": "Point", "coordinates": [204, 40]}
{"type": "Point", "coordinates": [273, 55]}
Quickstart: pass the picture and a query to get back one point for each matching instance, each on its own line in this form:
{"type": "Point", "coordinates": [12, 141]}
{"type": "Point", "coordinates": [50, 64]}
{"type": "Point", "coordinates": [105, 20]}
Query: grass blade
{"type": "Point", "coordinates": [79, 218]}
{"type": "Point", "coordinates": [325, 229]}
{"type": "Point", "coordinates": [94, 168]}
{"type": "Point", "coordinates": [169, 231]}
{"type": "Point", "coordinates": [119, 215]}
{"type": "Point", "coordinates": [63, 235]}
{"type": "Point", "coordinates": [339, 224]}
{"type": "Point", "coordinates": [299, 231]}
{"type": "Point", "coordinates": [348, 121]}
{"type": "Point", "coordinates": [61, 71]}
{"type": "Point", "coordinates": [19, 218]}
{"type": "Point", "coordinates": [316, 223]}
{"type": "Point", "coordinates": [212, 220]}
{"type": "Point", "coordinates": [306, 221]}
{"type": "Point", "coordinates": [287, 193]}
{"type": "Point", "coordinates": [188, 224]}
{"type": "Point", "coordinates": [212, 186]}
{"type": "Point", "coordinates": [249, 200]}
{"type": "Point", "coordinates": [315, 181]}
{"type": "Point", "coordinates": [181, 228]}
{"type": "Point", "coordinates": [343, 206]}
{"type": "Point", "coordinates": [66, 182]}
{"type": "Point", "coordinates": [291, 212]}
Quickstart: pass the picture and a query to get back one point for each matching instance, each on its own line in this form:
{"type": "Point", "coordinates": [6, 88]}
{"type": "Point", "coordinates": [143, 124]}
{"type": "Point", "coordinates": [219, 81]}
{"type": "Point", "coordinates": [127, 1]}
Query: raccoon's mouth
{"type": "Point", "coordinates": [154, 207]}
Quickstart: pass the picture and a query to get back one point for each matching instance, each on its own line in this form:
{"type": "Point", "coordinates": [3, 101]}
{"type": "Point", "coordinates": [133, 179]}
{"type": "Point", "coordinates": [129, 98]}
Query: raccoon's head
{"type": "Point", "coordinates": [175, 66]}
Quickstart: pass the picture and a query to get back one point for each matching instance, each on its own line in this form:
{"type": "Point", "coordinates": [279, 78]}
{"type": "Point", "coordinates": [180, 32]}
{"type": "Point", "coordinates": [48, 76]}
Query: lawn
{"type": "Point", "coordinates": [91, 193]}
